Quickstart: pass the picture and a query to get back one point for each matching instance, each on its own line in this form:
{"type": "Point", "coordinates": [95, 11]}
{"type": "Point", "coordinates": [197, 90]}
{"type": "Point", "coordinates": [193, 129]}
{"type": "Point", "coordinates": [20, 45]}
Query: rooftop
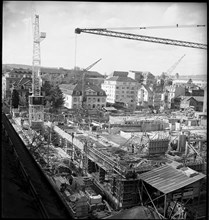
{"type": "Point", "coordinates": [121, 79]}
{"type": "Point", "coordinates": [168, 179]}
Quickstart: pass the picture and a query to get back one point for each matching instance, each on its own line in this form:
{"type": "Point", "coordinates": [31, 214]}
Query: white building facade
{"type": "Point", "coordinates": [121, 89]}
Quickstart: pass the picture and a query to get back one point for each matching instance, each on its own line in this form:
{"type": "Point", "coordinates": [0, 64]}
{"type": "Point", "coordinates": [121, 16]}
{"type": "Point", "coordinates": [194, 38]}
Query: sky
{"type": "Point", "coordinates": [63, 48]}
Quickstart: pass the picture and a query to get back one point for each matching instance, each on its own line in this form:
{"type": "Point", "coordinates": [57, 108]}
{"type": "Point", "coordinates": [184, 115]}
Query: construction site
{"type": "Point", "coordinates": [152, 164]}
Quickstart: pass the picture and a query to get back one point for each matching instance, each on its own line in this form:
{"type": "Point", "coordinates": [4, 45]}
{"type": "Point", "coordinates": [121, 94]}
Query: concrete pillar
{"type": "Point", "coordinates": [90, 166]}
{"type": "Point", "coordinates": [181, 143]}
{"type": "Point", "coordinates": [200, 146]}
{"type": "Point", "coordinates": [101, 175]}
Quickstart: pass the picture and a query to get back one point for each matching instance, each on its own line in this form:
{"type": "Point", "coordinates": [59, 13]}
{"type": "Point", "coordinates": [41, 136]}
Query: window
{"type": "Point", "coordinates": [98, 100]}
{"type": "Point", "coordinates": [89, 99]}
{"type": "Point", "coordinates": [101, 93]}
{"type": "Point", "coordinates": [74, 106]}
{"type": "Point", "coordinates": [93, 106]}
{"type": "Point", "coordinates": [127, 87]}
{"type": "Point", "coordinates": [75, 99]}
{"type": "Point", "coordinates": [117, 87]}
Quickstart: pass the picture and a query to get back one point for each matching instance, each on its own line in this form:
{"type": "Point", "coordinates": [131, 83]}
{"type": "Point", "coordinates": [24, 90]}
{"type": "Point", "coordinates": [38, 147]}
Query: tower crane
{"type": "Point", "coordinates": [36, 108]}
{"type": "Point", "coordinates": [83, 98]}
{"type": "Point", "coordinates": [172, 68]}
{"type": "Point", "coordinates": [166, 76]}
{"type": "Point", "coordinates": [109, 33]}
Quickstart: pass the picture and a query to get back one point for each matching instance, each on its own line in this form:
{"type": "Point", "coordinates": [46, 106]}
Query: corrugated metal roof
{"type": "Point", "coordinates": [168, 179]}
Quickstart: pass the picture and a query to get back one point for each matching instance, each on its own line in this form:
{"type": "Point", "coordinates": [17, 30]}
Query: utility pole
{"type": "Point", "coordinates": [36, 108]}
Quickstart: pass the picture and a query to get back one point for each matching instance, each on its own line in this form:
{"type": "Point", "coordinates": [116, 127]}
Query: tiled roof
{"type": "Point", "coordinates": [78, 87]}
{"type": "Point", "coordinates": [24, 80]}
{"type": "Point", "coordinates": [121, 79]}
{"type": "Point", "coordinates": [158, 89]}
{"type": "Point", "coordinates": [168, 179]}
{"type": "Point", "coordinates": [147, 88]}
{"type": "Point", "coordinates": [79, 73]}
{"type": "Point", "coordinates": [197, 98]}
{"type": "Point", "coordinates": [21, 71]}
{"type": "Point", "coordinates": [120, 73]}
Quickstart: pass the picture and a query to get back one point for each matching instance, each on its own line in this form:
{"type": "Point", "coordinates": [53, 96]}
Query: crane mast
{"type": "Point", "coordinates": [36, 108]}
{"type": "Point", "coordinates": [105, 32]}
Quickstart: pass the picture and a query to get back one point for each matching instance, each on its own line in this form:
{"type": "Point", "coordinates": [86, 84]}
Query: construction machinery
{"type": "Point", "coordinates": [36, 108]}
{"type": "Point", "coordinates": [109, 33]}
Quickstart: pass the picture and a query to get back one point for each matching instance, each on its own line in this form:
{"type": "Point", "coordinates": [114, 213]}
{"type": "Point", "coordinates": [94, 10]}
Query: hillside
{"type": "Point", "coordinates": [10, 66]}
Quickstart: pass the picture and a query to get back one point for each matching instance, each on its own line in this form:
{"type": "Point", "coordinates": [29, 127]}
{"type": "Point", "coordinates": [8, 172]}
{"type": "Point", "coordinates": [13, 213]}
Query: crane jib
{"type": "Point", "coordinates": [109, 33]}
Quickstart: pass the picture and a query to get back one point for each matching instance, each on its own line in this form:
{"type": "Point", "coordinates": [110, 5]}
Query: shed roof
{"type": "Point", "coordinates": [168, 179]}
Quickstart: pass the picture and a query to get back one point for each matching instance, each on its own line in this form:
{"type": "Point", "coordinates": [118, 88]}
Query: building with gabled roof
{"type": "Point", "coordinates": [195, 101]}
{"type": "Point", "coordinates": [157, 96]}
{"type": "Point", "coordinates": [171, 92]}
{"type": "Point", "coordinates": [10, 77]}
{"type": "Point", "coordinates": [95, 97]}
{"type": "Point", "coordinates": [145, 96]}
{"type": "Point", "coordinates": [121, 89]}
{"type": "Point", "coordinates": [144, 77]}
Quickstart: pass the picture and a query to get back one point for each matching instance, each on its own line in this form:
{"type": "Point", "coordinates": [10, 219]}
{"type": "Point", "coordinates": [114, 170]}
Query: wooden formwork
{"type": "Point", "coordinates": [127, 192]}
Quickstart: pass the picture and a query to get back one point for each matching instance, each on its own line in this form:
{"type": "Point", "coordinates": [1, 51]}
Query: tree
{"type": "Point", "coordinates": [15, 98]}
{"type": "Point", "coordinates": [47, 89]}
{"type": "Point", "coordinates": [53, 95]}
{"type": "Point", "coordinates": [177, 75]}
{"type": "Point", "coordinates": [57, 98]}
{"type": "Point", "coordinates": [190, 81]}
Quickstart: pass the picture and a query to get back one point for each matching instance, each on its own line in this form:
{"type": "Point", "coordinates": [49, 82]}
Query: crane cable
{"type": "Point", "coordinates": [75, 52]}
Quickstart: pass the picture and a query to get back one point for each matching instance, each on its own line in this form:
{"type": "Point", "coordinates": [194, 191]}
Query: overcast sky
{"type": "Point", "coordinates": [59, 20]}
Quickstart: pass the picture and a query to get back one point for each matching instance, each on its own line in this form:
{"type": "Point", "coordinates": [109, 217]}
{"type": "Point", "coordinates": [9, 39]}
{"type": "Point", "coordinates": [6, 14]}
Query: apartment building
{"type": "Point", "coordinates": [157, 96]}
{"type": "Point", "coordinates": [121, 89]}
{"type": "Point", "coordinates": [143, 77]}
{"type": "Point", "coordinates": [95, 97]}
{"type": "Point", "coordinates": [11, 77]}
{"type": "Point", "coordinates": [145, 96]}
{"type": "Point", "coordinates": [172, 92]}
